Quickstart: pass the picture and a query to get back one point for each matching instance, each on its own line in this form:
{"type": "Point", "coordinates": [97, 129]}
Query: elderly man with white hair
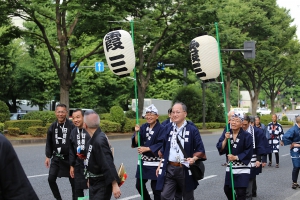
{"type": "Point", "coordinates": [150, 143]}
{"type": "Point", "coordinates": [102, 175]}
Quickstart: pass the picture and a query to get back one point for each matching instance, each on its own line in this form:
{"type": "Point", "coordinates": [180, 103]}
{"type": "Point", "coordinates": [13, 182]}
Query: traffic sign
{"type": "Point", "coordinates": [72, 65]}
{"type": "Point", "coordinates": [99, 66]}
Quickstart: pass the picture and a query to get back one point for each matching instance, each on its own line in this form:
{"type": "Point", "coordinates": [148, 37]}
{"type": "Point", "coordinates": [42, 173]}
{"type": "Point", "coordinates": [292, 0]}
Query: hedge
{"type": "Point", "coordinates": [45, 116]}
{"type": "Point", "coordinates": [4, 112]}
{"type": "Point", "coordinates": [23, 125]}
{"type": "Point", "coordinates": [210, 125]}
{"type": "Point", "coordinates": [13, 131]}
{"type": "Point", "coordinates": [105, 116]}
{"type": "Point", "coordinates": [48, 125]}
{"type": "Point", "coordinates": [37, 131]}
{"type": "Point", "coordinates": [110, 127]}
{"type": "Point", "coordinates": [129, 125]}
{"type": "Point", "coordinates": [286, 122]}
{"type": "Point", "coordinates": [1, 126]}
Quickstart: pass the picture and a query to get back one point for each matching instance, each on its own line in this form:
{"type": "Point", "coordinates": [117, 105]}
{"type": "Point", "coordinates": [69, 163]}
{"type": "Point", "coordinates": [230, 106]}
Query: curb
{"type": "Point", "coordinates": [111, 136]}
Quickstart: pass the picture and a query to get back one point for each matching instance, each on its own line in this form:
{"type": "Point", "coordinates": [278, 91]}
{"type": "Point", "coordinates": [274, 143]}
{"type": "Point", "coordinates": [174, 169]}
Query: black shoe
{"type": "Point", "coordinates": [254, 195]}
{"type": "Point", "coordinates": [295, 185]}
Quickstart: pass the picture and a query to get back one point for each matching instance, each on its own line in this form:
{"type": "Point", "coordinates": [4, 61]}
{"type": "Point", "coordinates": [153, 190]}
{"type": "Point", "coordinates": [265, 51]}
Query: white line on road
{"type": "Point", "coordinates": [136, 196]}
{"type": "Point", "coordinates": [37, 175]}
{"type": "Point", "coordinates": [285, 154]}
{"type": "Point", "coordinates": [210, 151]}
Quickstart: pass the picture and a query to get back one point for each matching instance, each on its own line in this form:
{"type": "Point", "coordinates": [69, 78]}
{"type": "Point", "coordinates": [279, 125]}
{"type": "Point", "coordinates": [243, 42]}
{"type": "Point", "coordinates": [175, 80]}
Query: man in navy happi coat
{"type": "Point", "coordinates": [241, 145]}
{"type": "Point", "coordinates": [174, 171]}
{"type": "Point", "coordinates": [150, 142]}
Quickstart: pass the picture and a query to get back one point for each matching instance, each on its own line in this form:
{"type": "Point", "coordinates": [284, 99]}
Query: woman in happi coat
{"type": "Point", "coordinates": [276, 132]}
{"type": "Point", "coordinates": [241, 144]}
{"type": "Point", "coordinates": [150, 142]}
{"type": "Point", "coordinates": [292, 138]}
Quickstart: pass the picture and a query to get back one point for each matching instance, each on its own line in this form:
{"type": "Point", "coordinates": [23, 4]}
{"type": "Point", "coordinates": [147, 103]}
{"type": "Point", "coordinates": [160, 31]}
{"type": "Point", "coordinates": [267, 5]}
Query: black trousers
{"type": "Point", "coordinates": [54, 188]}
{"type": "Point", "coordinates": [175, 178]}
{"type": "Point", "coordinates": [295, 174]}
{"type": "Point", "coordinates": [276, 157]}
{"type": "Point", "coordinates": [239, 191]}
{"type": "Point", "coordinates": [98, 189]}
{"type": "Point", "coordinates": [146, 195]}
{"type": "Point", "coordinates": [59, 168]}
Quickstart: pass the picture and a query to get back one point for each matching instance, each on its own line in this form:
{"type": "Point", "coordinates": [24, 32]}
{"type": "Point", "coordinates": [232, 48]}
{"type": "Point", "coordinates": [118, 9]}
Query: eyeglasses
{"type": "Point", "coordinates": [150, 113]}
{"type": "Point", "coordinates": [177, 112]}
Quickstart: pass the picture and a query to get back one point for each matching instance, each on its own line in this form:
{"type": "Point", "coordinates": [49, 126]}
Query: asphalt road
{"type": "Point", "coordinates": [273, 183]}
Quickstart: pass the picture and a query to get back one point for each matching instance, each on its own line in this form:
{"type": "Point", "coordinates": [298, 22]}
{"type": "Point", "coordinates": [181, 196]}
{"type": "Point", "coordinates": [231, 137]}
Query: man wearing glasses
{"type": "Point", "coordinates": [173, 171]}
{"type": "Point", "coordinates": [150, 142]}
{"type": "Point", "coordinates": [57, 149]}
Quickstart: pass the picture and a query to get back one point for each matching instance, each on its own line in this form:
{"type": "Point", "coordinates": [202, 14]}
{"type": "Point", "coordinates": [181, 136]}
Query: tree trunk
{"type": "Point", "coordinates": [64, 96]}
{"type": "Point", "coordinates": [272, 98]}
{"type": "Point", "coordinates": [254, 98]}
{"type": "Point", "coordinates": [141, 97]}
{"type": "Point", "coordinates": [227, 92]}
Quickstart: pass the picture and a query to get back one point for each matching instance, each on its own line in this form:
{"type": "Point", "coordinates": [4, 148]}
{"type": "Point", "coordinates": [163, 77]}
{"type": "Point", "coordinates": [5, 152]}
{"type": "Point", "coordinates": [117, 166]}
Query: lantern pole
{"type": "Point", "coordinates": [225, 109]}
{"type": "Point", "coordinates": [137, 116]}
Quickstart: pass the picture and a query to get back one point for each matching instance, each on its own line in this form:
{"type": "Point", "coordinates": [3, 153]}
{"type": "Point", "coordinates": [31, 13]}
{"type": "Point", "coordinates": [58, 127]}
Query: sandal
{"type": "Point", "coordinates": [270, 164]}
{"type": "Point", "coordinates": [277, 166]}
{"type": "Point", "coordinates": [295, 185]}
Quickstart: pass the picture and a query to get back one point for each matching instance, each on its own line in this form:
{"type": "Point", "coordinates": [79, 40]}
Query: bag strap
{"type": "Point", "coordinates": [180, 146]}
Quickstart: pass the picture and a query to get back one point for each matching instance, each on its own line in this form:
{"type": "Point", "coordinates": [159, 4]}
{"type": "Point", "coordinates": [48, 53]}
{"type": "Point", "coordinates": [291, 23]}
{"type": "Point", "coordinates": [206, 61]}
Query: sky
{"type": "Point", "coordinates": [294, 7]}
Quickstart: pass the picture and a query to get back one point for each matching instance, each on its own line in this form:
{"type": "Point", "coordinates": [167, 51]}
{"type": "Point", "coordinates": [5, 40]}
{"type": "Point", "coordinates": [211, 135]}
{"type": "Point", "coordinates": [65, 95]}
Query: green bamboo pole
{"type": "Point", "coordinates": [137, 116]}
{"type": "Point", "coordinates": [225, 108]}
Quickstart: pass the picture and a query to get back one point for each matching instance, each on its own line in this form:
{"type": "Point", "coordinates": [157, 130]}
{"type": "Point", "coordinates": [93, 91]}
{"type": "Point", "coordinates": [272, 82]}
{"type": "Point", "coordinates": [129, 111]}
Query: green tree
{"type": "Point", "coordinates": [265, 23]}
{"type": "Point", "coordinates": [289, 61]}
{"type": "Point", "coordinates": [63, 27]}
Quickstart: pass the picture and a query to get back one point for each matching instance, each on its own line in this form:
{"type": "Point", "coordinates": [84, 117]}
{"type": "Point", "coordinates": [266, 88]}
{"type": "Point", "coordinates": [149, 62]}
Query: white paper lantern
{"type": "Point", "coordinates": [205, 57]}
{"type": "Point", "coordinates": [119, 52]}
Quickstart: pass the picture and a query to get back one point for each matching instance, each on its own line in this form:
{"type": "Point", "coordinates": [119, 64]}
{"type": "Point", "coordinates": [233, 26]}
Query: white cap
{"type": "Point", "coordinates": [152, 108]}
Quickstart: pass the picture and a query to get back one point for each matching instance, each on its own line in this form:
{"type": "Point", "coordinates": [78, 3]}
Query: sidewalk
{"type": "Point", "coordinates": [111, 136]}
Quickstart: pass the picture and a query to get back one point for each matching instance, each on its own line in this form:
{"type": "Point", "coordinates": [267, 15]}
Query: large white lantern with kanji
{"type": "Point", "coordinates": [205, 57]}
{"type": "Point", "coordinates": [119, 52]}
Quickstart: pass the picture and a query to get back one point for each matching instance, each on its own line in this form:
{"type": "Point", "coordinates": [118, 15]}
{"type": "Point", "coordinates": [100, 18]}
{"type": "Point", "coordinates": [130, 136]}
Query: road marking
{"type": "Point", "coordinates": [210, 151]}
{"type": "Point", "coordinates": [136, 196]}
{"type": "Point", "coordinates": [285, 154]}
{"type": "Point", "coordinates": [37, 175]}
{"type": "Point", "coordinates": [208, 177]}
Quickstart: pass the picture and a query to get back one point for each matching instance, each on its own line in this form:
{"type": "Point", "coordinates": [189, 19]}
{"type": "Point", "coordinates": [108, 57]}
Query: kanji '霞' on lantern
{"type": "Point", "coordinates": [119, 52]}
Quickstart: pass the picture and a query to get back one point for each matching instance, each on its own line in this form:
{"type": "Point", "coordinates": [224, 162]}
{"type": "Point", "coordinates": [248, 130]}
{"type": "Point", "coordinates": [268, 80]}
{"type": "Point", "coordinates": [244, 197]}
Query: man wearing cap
{"type": "Point", "coordinates": [174, 169]}
{"type": "Point", "coordinates": [150, 135]}
{"type": "Point", "coordinates": [57, 149]}
{"type": "Point", "coordinates": [77, 153]}
{"type": "Point", "coordinates": [241, 145]}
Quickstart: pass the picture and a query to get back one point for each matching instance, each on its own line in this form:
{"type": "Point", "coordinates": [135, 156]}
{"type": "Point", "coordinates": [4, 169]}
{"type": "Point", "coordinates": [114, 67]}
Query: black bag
{"type": "Point", "coordinates": [197, 168]}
